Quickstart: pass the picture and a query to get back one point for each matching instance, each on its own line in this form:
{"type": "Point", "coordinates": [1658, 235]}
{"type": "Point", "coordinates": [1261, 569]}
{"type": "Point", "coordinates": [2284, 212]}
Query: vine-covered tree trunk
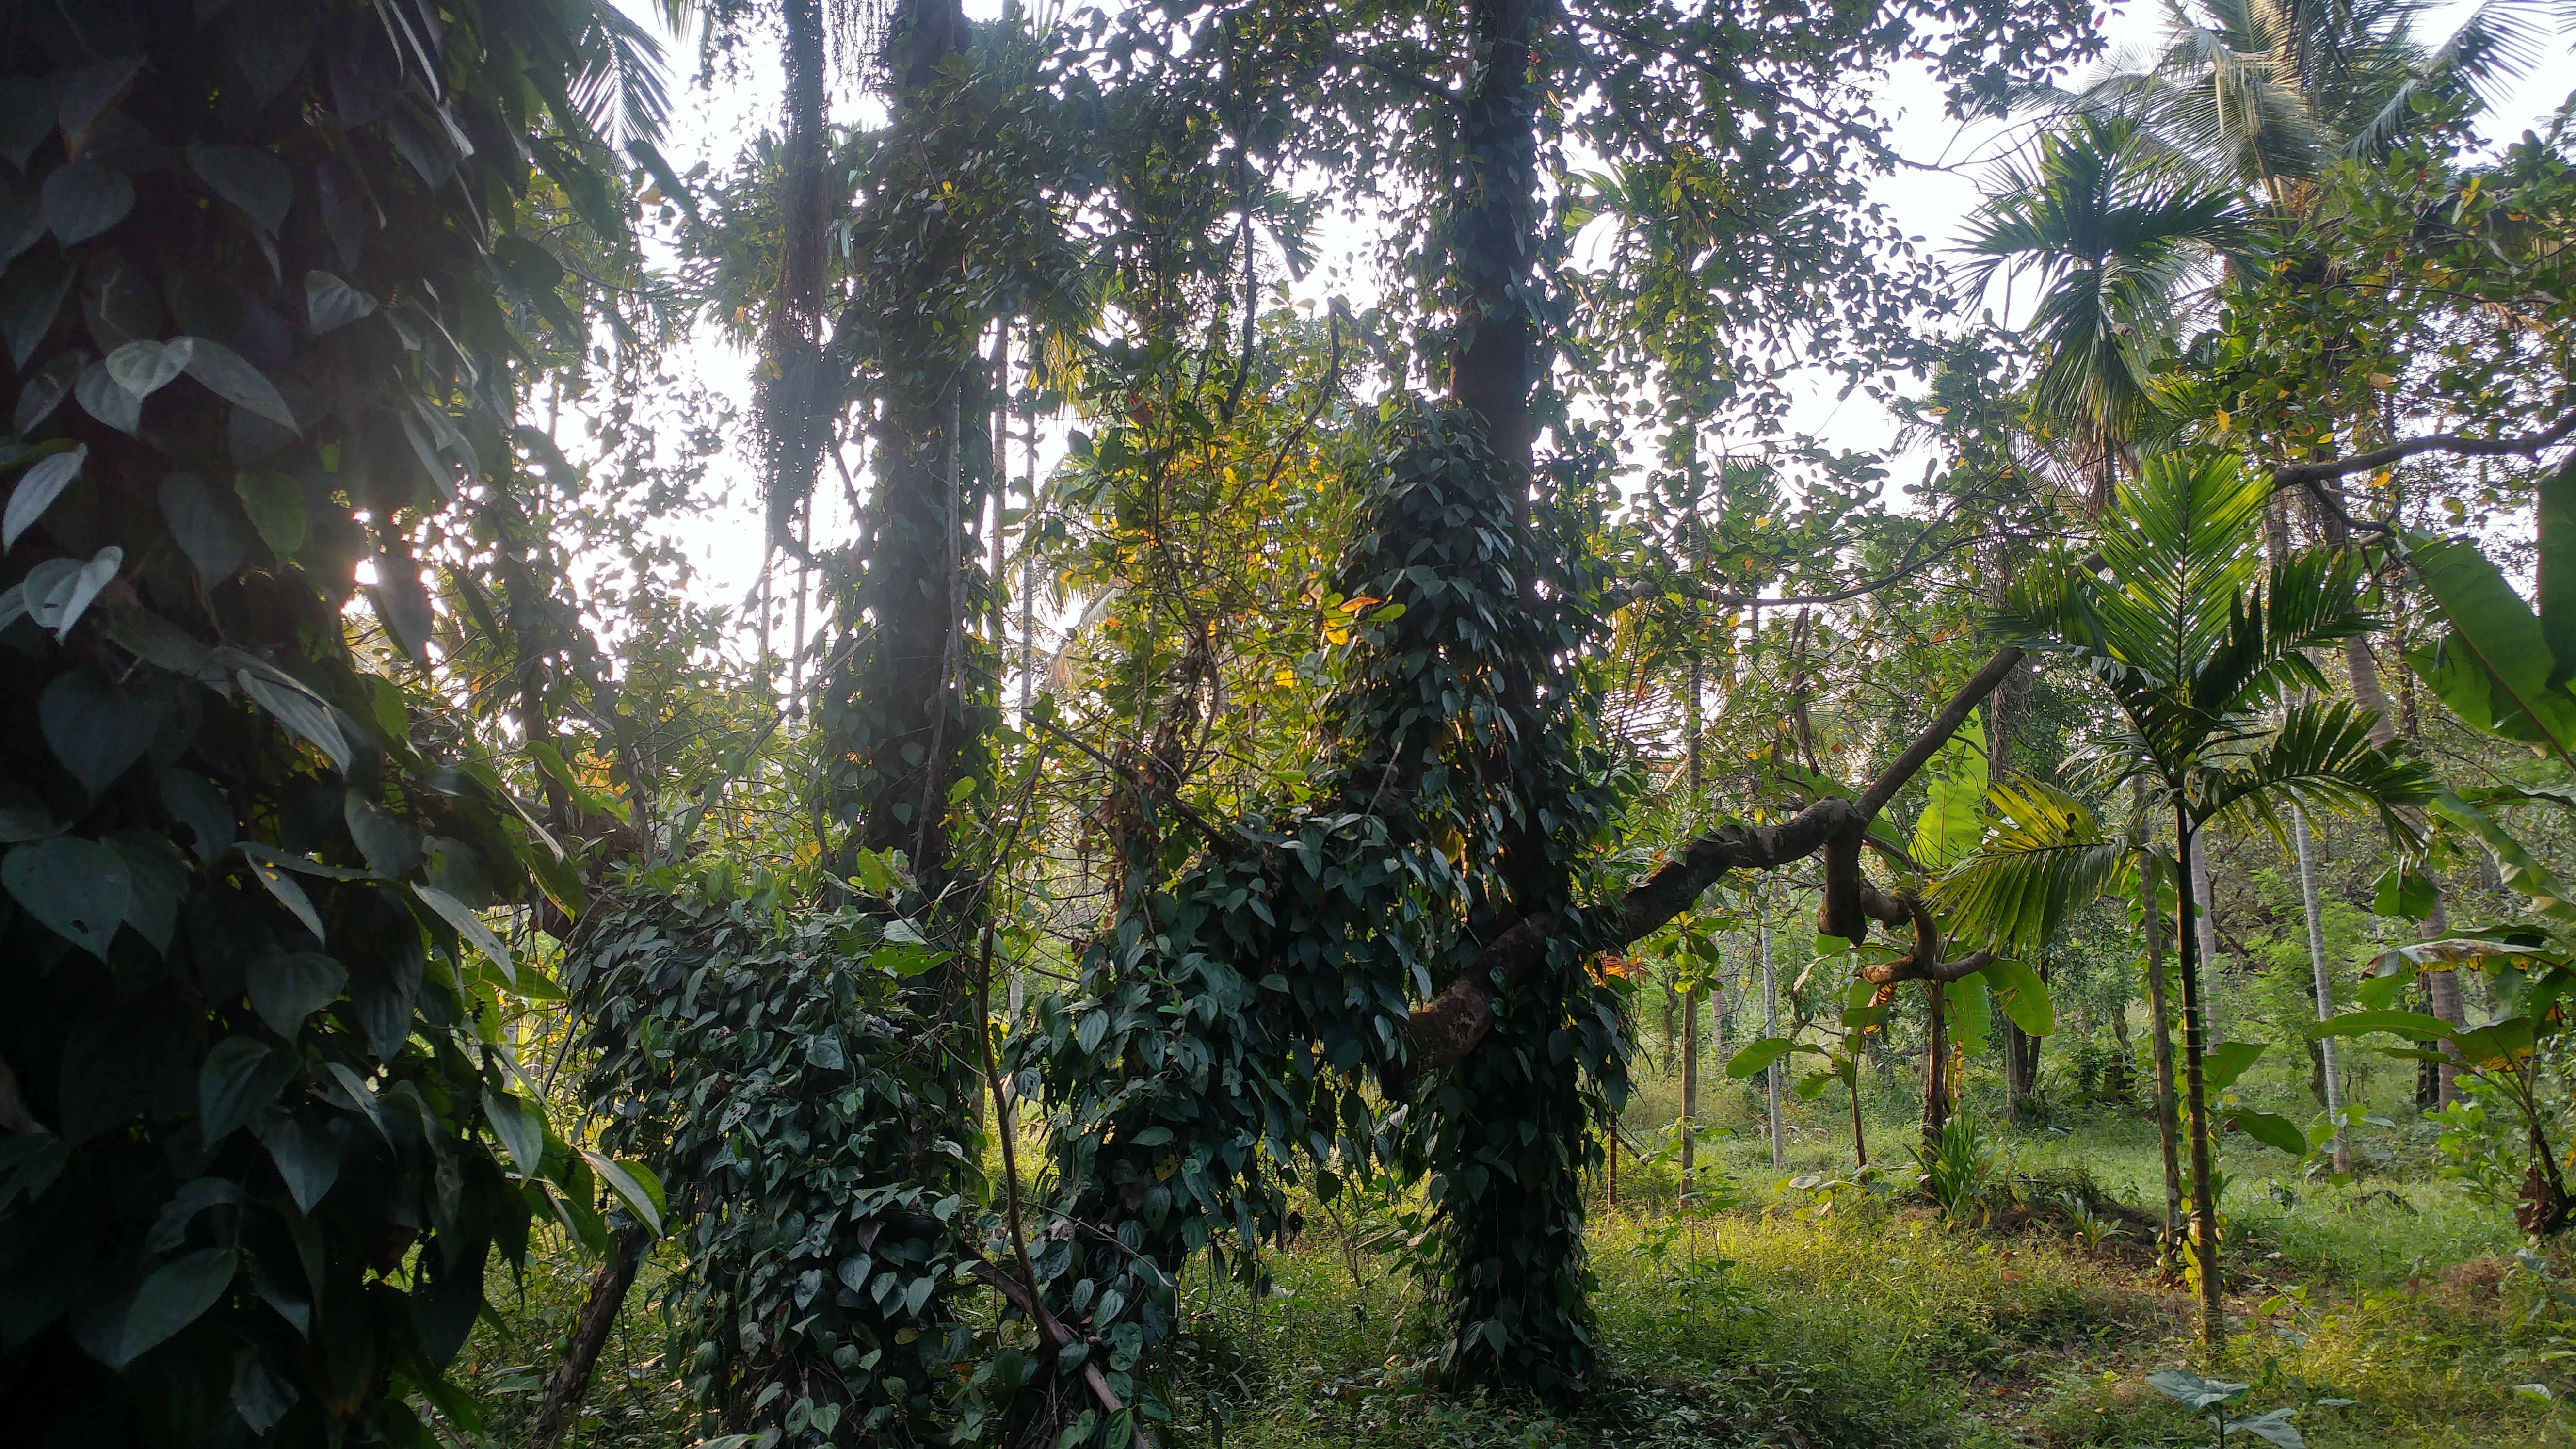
{"type": "Point", "coordinates": [907, 719]}
{"type": "Point", "coordinates": [1518, 1301]}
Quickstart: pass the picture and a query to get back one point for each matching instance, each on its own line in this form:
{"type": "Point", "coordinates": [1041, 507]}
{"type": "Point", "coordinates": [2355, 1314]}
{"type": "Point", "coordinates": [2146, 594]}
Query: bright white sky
{"type": "Point", "coordinates": [711, 126]}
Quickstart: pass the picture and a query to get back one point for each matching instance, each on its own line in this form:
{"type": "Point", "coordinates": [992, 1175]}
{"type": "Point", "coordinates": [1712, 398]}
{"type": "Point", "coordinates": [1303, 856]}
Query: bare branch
{"type": "Point", "coordinates": [2290, 475]}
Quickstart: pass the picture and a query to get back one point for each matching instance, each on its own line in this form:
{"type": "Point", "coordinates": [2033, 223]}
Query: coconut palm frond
{"type": "Point", "coordinates": [2499, 41]}
{"type": "Point", "coordinates": [619, 86]}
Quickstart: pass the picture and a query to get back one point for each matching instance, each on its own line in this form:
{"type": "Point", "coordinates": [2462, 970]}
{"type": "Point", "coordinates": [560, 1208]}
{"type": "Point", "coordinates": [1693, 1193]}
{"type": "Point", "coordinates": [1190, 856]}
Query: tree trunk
{"type": "Point", "coordinates": [2330, 1091]}
{"type": "Point", "coordinates": [2543, 1209]}
{"type": "Point", "coordinates": [2204, 1205]}
{"type": "Point", "coordinates": [2205, 935]}
{"type": "Point", "coordinates": [1936, 1056]}
{"type": "Point", "coordinates": [2000, 709]}
{"type": "Point", "coordinates": [2442, 989]}
{"type": "Point", "coordinates": [2115, 1082]}
{"type": "Point", "coordinates": [2010, 1036]}
{"type": "Point", "coordinates": [571, 1382]}
{"type": "Point", "coordinates": [905, 722]}
{"type": "Point", "coordinates": [1613, 1194]}
{"type": "Point", "coordinates": [2160, 1042]}
{"type": "Point", "coordinates": [1771, 1027]}
{"type": "Point", "coordinates": [2428, 1074]}
{"type": "Point", "coordinates": [1690, 1084]}
{"type": "Point", "coordinates": [794, 395]}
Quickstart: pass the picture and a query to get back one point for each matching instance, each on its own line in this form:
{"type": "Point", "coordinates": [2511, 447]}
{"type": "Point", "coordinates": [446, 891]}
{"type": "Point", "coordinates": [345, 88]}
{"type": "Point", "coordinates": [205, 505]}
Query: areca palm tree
{"type": "Point", "coordinates": [2202, 648]}
{"type": "Point", "coordinates": [2112, 224]}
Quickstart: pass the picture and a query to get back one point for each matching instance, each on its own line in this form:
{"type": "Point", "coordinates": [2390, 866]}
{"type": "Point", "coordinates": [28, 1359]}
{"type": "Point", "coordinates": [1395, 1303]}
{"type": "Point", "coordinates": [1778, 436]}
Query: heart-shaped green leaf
{"type": "Point", "coordinates": [233, 379]}
{"type": "Point", "coordinates": [75, 888]}
{"type": "Point", "coordinates": [144, 368]}
{"type": "Point", "coordinates": [288, 986]}
{"type": "Point", "coordinates": [97, 730]}
{"type": "Point", "coordinates": [82, 199]}
{"type": "Point", "coordinates": [210, 528]}
{"type": "Point", "coordinates": [241, 1077]}
{"type": "Point", "coordinates": [177, 1294]}
{"type": "Point", "coordinates": [255, 181]}
{"type": "Point", "coordinates": [36, 491]}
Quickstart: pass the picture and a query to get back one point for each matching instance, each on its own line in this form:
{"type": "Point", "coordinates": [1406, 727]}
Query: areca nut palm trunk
{"type": "Point", "coordinates": [2160, 1039]}
{"type": "Point", "coordinates": [2203, 1231]}
{"type": "Point", "coordinates": [2324, 980]}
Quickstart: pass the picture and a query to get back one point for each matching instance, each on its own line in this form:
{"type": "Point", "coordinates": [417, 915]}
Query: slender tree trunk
{"type": "Point", "coordinates": [2205, 935]}
{"type": "Point", "coordinates": [1999, 726]}
{"type": "Point", "coordinates": [571, 1383]}
{"type": "Point", "coordinates": [2116, 1081]}
{"type": "Point", "coordinates": [793, 404]}
{"type": "Point", "coordinates": [1771, 1027]}
{"type": "Point", "coordinates": [1860, 1139]}
{"type": "Point", "coordinates": [1690, 998]}
{"type": "Point", "coordinates": [2333, 1092]}
{"type": "Point", "coordinates": [2359, 667]}
{"type": "Point", "coordinates": [2204, 1205]}
{"type": "Point", "coordinates": [1690, 1084]}
{"type": "Point", "coordinates": [2161, 1044]}
{"type": "Point", "coordinates": [1613, 1196]}
{"type": "Point", "coordinates": [1936, 1059]}
{"type": "Point", "coordinates": [2442, 989]}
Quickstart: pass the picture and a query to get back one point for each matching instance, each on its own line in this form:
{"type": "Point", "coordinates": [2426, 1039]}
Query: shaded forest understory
{"type": "Point", "coordinates": [1793, 1309]}
{"type": "Point", "coordinates": [1229, 722]}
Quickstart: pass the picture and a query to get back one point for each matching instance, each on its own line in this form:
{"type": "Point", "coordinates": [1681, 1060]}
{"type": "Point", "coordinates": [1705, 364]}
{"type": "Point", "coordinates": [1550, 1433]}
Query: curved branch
{"type": "Point", "coordinates": [1410, 80]}
{"type": "Point", "coordinates": [2290, 475]}
{"type": "Point", "coordinates": [1446, 1028]}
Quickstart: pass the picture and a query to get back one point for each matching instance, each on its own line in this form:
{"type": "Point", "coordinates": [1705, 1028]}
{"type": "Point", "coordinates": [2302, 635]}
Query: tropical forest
{"type": "Point", "coordinates": [1238, 724]}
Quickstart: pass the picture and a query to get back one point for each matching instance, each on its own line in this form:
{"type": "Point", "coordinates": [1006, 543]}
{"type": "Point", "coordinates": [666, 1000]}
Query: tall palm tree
{"type": "Point", "coordinates": [2201, 646]}
{"type": "Point", "coordinates": [2112, 223]}
{"type": "Point", "coordinates": [2269, 95]}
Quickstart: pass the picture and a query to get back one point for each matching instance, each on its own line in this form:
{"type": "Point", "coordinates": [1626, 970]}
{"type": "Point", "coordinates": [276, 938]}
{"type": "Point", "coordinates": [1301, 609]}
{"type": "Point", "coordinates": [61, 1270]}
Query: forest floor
{"type": "Point", "coordinates": [1777, 1308]}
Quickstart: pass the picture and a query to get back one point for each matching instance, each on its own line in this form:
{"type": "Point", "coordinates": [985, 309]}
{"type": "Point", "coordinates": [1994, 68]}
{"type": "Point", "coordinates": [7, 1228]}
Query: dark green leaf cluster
{"type": "Point", "coordinates": [1244, 1027]}
{"type": "Point", "coordinates": [265, 305]}
{"type": "Point", "coordinates": [772, 1069]}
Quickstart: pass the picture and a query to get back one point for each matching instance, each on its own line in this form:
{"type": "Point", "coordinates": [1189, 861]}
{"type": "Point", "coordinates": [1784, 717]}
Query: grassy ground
{"type": "Point", "coordinates": [1761, 1312]}
{"type": "Point", "coordinates": [1758, 1320]}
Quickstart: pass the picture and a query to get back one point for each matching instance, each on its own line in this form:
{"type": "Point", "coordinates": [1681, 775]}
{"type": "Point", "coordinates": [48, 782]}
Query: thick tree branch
{"type": "Point", "coordinates": [1938, 732]}
{"type": "Point", "coordinates": [1413, 81]}
{"type": "Point", "coordinates": [1455, 1022]}
{"type": "Point", "coordinates": [1924, 962]}
{"type": "Point", "coordinates": [2290, 475]}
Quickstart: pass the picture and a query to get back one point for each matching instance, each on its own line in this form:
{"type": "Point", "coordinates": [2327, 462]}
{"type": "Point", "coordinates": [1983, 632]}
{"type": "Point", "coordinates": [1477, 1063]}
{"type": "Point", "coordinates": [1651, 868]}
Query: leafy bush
{"type": "Point", "coordinates": [771, 1066]}
{"type": "Point", "coordinates": [1958, 1172]}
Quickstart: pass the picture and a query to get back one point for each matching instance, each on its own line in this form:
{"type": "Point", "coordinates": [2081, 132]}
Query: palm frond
{"type": "Point", "coordinates": [2309, 601]}
{"type": "Point", "coordinates": [2177, 548]}
{"type": "Point", "coordinates": [2045, 856]}
{"type": "Point", "coordinates": [619, 86]}
{"type": "Point", "coordinates": [2321, 759]}
{"type": "Point", "coordinates": [2499, 41]}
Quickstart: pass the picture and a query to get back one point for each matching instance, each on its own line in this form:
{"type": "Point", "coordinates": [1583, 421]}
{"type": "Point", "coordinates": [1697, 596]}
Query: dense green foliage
{"type": "Point", "coordinates": [275, 282]}
{"type": "Point", "coordinates": [1295, 817]}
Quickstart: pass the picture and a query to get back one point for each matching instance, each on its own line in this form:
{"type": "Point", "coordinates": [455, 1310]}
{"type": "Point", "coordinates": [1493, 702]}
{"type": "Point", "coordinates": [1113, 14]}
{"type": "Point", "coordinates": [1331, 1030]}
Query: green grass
{"type": "Point", "coordinates": [1747, 1317]}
